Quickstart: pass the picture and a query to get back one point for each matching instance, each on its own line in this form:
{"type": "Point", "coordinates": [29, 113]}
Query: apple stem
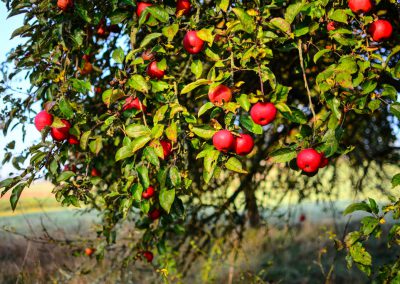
{"type": "Point", "coordinates": [300, 43]}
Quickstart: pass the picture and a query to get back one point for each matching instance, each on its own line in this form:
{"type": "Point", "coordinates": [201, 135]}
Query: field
{"type": "Point", "coordinates": [273, 254]}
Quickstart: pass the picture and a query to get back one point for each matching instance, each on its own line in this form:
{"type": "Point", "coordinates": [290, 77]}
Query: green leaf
{"type": "Point", "coordinates": [138, 83]}
{"type": "Point", "coordinates": [224, 5]}
{"type": "Point", "coordinates": [395, 109]}
{"type": "Point", "coordinates": [197, 68]}
{"type": "Point", "coordinates": [65, 176]}
{"type": "Point", "coordinates": [160, 114]}
{"type": "Point", "coordinates": [369, 224]}
{"type": "Point", "coordinates": [118, 55]}
{"type": "Point", "coordinates": [351, 238]}
{"type": "Point", "coordinates": [339, 16]}
{"type": "Point", "coordinates": [111, 96]}
{"type": "Point", "coordinates": [205, 132]}
{"type": "Point", "coordinates": [235, 165]}
{"type": "Point", "coordinates": [283, 155]}
{"type": "Point", "coordinates": [66, 108]}
{"type": "Point", "coordinates": [175, 176]}
{"type": "Point", "coordinates": [143, 174]}
{"type": "Point", "coordinates": [244, 102]}
{"type": "Point", "coordinates": [296, 116]}
{"type": "Point", "coordinates": [139, 143]}
{"type": "Point", "coordinates": [319, 54]}
{"type": "Point", "coordinates": [159, 13]}
{"type": "Point", "coordinates": [360, 255]}
{"type": "Point", "coordinates": [137, 130]}
{"type": "Point", "coordinates": [206, 35]}
{"type": "Point", "coordinates": [124, 153]}
{"type": "Point", "coordinates": [167, 198]}
{"type": "Point", "coordinates": [148, 38]}
{"type": "Point", "coordinates": [248, 123]}
{"type": "Point", "coordinates": [292, 11]}
{"type": "Point", "coordinates": [170, 31]}
{"type": "Point", "coordinates": [204, 108]}
{"type": "Point", "coordinates": [396, 180]}
{"type": "Point", "coordinates": [281, 24]}
{"type": "Point", "coordinates": [150, 155]}
{"type": "Point", "coordinates": [210, 164]}
{"type": "Point", "coordinates": [245, 19]}
{"type": "Point", "coordinates": [84, 139]}
{"type": "Point", "coordinates": [136, 191]}
{"type": "Point", "coordinates": [81, 86]}
{"type": "Point", "coordinates": [15, 195]}
{"type": "Point", "coordinates": [357, 207]}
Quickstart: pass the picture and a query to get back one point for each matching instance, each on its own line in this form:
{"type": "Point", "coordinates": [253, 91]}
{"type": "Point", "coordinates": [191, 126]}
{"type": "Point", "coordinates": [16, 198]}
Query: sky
{"type": "Point", "coordinates": [7, 27]}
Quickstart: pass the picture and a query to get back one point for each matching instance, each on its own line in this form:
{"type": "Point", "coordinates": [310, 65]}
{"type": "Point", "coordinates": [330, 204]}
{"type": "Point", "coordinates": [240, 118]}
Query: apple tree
{"type": "Point", "coordinates": [170, 115]}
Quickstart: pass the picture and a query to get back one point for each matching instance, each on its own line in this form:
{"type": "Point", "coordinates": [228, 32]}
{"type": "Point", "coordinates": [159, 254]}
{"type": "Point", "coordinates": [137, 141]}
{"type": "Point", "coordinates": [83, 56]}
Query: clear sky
{"type": "Point", "coordinates": [7, 27]}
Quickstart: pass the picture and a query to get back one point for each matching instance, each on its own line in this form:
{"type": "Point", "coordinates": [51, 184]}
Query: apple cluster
{"type": "Point", "coordinates": [379, 30]}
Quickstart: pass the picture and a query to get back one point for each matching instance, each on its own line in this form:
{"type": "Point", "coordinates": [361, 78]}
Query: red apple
{"type": "Point", "coordinates": [360, 6]}
{"type": "Point", "coordinates": [98, 90]}
{"type": "Point", "coordinates": [309, 160]}
{"type": "Point", "coordinates": [154, 215]}
{"type": "Point", "coordinates": [220, 95]}
{"type": "Point", "coordinates": [148, 255]}
{"type": "Point", "coordinates": [64, 5]}
{"type": "Point", "coordinates": [263, 113]}
{"type": "Point", "coordinates": [380, 30]}
{"type": "Point", "coordinates": [133, 103]}
{"type": "Point", "coordinates": [73, 140]}
{"type": "Point", "coordinates": [302, 218]}
{"type": "Point", "coordinates": [243, 144]}
{"type": "Point", "coordinates": [192, 43]}
{"type": "Point", "coordinates": [154, 72]}
{"type": "Point", "coordinates": [148, 193]}
{"type": "Point", "coordinates": [183, 7]}
{"type": "Point", "coordinates": [331, 26]}
{"type": "Point", "coordinates": [147, 55]}
{"type": "Point", "coordinates": [223, 140]}
{"type": "Point", "coordinates": [95, 173]}
{"type": "Point", "coordinates": [167, 148]}
{"type": "Point", "coordinates": [89, 251]}
{"type": "Point", "coordinates": [61, 133]}
{"type": "Point", "coordinates": [87, 68]}
{"type": "Point", "coordinates": [43, 119]}
{"type": "Point", "coordinates": [324, 161]}
{"type": "Point", "coordinates": [141, 6]}
{"type": "Point", "coordinates": [71, 168]}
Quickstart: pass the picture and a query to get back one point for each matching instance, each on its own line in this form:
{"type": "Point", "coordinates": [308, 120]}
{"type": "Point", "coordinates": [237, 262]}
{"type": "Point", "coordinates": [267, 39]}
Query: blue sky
{"type": "Point", "coordinates": [7, 27]}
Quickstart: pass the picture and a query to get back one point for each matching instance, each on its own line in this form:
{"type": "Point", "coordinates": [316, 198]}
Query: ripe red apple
{"type": "Point", "coordinates": [243, 144]}
{"type": "Point", "coordinates": [141, 6]}
{"type": "Point", "coordinates": [73, 140]}
{"type": "Point", "coordinates": [192, 43]}
{"type": "Point", "coordinates": [133, 103]}
{"type": "Point", "coordinates": [183, 7]}
{"type": "Point", "coordinates": [167, 148]}
{"type": "Point", "coordinates": [223, 140]}
{"type": "Point", "coordinates": [61, 133]}
{"type": "Point", "coordinates": [380, 30]}
{"type": "Point", "coordinates": [43, 119]}
{"type": "Point", "coordinates": [154, 72]}
{"type": "Point", "coordinates": [147, 55]}
{"type": "Point", "coordinates": [302, 218]}
{"type": "Point", "coordinates": [148, 193]}
{"type": "Point", "coordinates": [148, 255]}
{"type": "Point", "coordinates": [220, 95]}
{"type": "Point", "coordinates": [324, 161]}
{"type": "Point", "coordinates": [98, 90]}
{"type": "Point", "coordinates": [263, 113]}
{"type": "Point", "coordinates": [89, 251]}
{"type": "Point", "coordinates": [95, 173]}
{"type": "Point", "coordinates": [360, 6]}
{"type": "Point", "coordinates": [71, 168]}
{"type": "Point", "coordinates": [331, 26]}
{"type": "Point", "coordinates": [154, 214]}
{"type": "Point", "coordinates": [64, 5]}
{"type": "Point", "coordinates": [87, 68]}
{"type": "Point", "coordinates": [309, 160]}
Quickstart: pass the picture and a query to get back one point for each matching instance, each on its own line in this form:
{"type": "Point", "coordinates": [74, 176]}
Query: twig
{"type": "Point", "coordinates": [306, 84]}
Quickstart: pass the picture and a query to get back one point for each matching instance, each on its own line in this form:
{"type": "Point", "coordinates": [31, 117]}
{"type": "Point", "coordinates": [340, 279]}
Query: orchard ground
{"type": "Point", "coordinates": [284, 249]}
